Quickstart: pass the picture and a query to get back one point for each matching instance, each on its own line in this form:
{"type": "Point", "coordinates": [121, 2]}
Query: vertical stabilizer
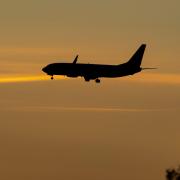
{"type": "Point", "coordinates": [136, 59]}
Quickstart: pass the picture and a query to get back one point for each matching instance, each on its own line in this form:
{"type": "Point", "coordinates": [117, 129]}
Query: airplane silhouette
{"type": "Point", "coordinates": [96, 71]}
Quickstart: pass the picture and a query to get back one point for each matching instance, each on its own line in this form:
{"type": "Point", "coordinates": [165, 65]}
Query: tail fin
{"type": "Point", "coordinates": [136, 59]}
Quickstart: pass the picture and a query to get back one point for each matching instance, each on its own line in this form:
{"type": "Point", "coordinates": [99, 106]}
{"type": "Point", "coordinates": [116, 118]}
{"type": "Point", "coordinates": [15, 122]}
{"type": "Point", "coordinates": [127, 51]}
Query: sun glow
{"type": "Point", "coordinates": [140, 78]}
{"type": "Point", "coordinates": [23, 78]}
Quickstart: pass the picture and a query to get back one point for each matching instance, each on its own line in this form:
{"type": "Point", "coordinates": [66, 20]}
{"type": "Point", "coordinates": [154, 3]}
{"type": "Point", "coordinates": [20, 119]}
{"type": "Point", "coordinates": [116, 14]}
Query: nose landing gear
{"type": "Point", "coordinates": [52, 77]}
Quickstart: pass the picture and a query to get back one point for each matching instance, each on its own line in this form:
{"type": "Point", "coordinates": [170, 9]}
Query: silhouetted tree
{"type": "Point", "coordinates": [173, 174]}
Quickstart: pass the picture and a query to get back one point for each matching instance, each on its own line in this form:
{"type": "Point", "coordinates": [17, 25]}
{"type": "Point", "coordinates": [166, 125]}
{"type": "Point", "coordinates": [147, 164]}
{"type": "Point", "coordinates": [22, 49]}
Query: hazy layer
{"type": "Point", "coordinates": [69, 129]}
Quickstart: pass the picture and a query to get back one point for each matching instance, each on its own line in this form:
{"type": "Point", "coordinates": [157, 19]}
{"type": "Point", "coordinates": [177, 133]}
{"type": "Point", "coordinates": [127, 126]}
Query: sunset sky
{"type": "Point", "coordinates": [125, 128]}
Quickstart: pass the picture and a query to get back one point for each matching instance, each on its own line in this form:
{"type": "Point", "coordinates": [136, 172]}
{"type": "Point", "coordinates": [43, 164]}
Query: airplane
{"type": "Point", "coordinates": [97, 71]}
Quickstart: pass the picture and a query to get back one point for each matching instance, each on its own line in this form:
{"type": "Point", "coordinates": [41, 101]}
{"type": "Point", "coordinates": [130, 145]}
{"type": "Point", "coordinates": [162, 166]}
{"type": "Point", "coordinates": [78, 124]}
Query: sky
{"type": "Point", "coordinates": [68, 129]}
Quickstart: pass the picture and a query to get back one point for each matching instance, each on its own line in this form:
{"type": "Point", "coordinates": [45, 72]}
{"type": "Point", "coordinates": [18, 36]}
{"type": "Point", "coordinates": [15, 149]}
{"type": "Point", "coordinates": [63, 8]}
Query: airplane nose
{"type": "Point", "coordinates": [44, 69]}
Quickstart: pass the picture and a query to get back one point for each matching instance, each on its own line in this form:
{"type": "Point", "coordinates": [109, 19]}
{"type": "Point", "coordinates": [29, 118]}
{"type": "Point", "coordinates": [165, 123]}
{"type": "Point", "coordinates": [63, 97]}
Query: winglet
{"type": "Point", "coordinates": [75, 60]}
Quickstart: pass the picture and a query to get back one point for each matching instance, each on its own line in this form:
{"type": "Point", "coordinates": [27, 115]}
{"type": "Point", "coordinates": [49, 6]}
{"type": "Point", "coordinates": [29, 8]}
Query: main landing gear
{"type": "Point", "coordinates": [52, 77]}
{"type": "Point", "coordinates": [97, 80]}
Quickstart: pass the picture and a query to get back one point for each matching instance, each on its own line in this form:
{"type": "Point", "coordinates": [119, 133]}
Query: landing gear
{"type": "Point", "coordinates": [86, 79]}
{"type": "Point", "coordinates": [97, 80]}
{"type": "Point", "coordinates": [52, 77]}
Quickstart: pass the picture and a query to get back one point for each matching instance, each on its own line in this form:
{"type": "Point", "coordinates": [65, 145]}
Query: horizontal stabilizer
{"type": "Point", "coordinates": [147, 68]}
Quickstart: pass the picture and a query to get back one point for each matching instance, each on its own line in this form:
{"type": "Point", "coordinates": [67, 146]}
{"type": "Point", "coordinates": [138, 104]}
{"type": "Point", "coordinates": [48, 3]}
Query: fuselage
{"type": "Point", "coordinates": [90, 71]}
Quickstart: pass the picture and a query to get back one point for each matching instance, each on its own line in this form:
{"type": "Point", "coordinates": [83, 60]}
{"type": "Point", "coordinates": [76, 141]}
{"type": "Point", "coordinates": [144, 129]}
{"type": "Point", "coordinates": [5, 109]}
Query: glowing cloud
{"type": "Point", "coordinates": [155, 78]}
{"type": "Point", "coordinates": [173, 79]}
{"type": "Point", "coordinates": [16, 79]}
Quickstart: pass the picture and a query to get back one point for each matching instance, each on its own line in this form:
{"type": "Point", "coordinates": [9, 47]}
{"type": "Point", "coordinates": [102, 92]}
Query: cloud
{"type": "Point", "coordinates": [170, 79]}
{"type": "Point", "coordinates": [23, 78]}
{"type": "Point", "coordinates": [158, 78]}
{"type": "Point", "coordinates": [85, 109]}
{"type": "Point", "coordinates": [36, 50]}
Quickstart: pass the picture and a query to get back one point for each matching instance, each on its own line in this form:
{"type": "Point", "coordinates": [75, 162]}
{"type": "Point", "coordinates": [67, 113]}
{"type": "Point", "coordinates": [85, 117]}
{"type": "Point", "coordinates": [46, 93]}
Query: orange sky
{"type": "Point", "coordinates": [125, 128]}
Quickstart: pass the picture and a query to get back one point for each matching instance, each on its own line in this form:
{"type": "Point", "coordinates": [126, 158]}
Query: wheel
{"type": "Point", "coordinates": [52, 77]}
{"type": "Point", "coordinates": [98, 80]}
